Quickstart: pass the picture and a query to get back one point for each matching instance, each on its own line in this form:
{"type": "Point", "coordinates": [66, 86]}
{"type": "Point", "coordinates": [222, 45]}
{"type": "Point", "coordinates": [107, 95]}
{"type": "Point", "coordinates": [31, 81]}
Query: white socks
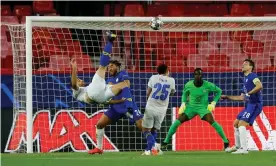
{"type": "Point", "coordinates": [243, 137]}
{"type": "Point", "coordinates": [237, 137]}
{"type": "Point", "coordinates": [99, 136]}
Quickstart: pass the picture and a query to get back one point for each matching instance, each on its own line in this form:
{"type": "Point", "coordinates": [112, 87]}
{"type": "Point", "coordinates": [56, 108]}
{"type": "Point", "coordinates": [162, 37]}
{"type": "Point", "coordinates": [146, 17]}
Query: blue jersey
{"type": "Point", "coordinates": [248, 85]}
{"type": "Point", "coordinates": [119, 77]}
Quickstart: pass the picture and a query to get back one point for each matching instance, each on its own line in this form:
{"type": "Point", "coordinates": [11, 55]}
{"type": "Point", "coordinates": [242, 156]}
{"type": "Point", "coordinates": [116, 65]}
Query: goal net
{"type": "Point", "coordinates": [47, 118]}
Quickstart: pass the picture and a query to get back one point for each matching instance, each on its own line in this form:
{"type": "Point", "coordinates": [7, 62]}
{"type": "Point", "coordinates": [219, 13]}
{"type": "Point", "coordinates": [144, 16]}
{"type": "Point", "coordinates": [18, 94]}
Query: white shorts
{"type": "Point", "coordinates": [153, 118]}
{"type": "Point", "coordinates": [98, 91]}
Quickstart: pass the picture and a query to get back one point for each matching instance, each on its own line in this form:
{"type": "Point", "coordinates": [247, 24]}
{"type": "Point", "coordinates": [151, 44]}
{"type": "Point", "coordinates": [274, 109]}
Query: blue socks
{"type": "Point", "coordinates": [150, 140]}
{"type": "Point", "coordinates": [127, 94]}
{"type": "Point", "coordinates": [154, 134]}
{"type": "Point", "coordinates": [105, 56]}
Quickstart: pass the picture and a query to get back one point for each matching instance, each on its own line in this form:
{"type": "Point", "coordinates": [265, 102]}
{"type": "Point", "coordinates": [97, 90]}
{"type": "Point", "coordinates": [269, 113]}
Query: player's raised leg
{"type": "Point", "coordinates": [210, 119]}
{"type": "Point", "coordinates": [105, 56]}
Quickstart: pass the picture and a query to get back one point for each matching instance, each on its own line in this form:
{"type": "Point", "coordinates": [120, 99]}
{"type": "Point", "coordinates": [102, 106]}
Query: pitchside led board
{"type": "Point", "coordinates": [67, 126]}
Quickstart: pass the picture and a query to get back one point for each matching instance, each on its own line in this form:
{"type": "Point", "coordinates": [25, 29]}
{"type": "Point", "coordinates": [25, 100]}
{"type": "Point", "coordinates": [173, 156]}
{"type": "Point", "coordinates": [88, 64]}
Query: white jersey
{"type": "Point", "coordinates": [162, 86]}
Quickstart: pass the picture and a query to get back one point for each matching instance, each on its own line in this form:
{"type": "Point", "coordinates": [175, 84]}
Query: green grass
{"type": "Point", "coordinates": [135, 159]}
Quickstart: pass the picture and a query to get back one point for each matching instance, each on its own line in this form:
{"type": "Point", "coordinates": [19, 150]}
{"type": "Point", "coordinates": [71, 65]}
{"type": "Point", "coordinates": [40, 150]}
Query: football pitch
{"type": "Point", "coordinates": [135, 159]}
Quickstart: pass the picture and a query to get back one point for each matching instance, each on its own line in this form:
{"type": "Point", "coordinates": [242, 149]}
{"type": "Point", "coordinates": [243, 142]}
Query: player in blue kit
{"type": "Point", "coordinates": [118, 107]}
{"type": "Point", "coordinates": [252, 94]}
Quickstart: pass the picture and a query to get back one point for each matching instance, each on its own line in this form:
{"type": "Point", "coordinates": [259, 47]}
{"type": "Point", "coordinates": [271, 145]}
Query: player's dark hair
{"type": "Point", "coordinates": [162, 69]}
{"type": "Point", "coordinates": [115, 62]}
{"type": "Point", "coordinates": [198, 69]}
{"type": "Point", "coordinates": [251, 63]}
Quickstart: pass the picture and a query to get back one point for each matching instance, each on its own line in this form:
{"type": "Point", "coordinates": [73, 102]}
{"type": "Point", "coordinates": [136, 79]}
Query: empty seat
{"type": "Point", "coordinates": [43, 7]}
{"type": "Point", "coordinates": [236, 60]}
{"type": "Point", "coordinates": [177, 36]}
{"type": "Point", "coordinates": [184, 49]}
{"type": "Point", "coordinates": [270, 47]}
{"type": "Point", "coordinates": [134, 35]}
{"type": "Point", "coordinates": [22, 10]}
{"type": "Point", "coordinates": [253, 47]}
{"type": "Point", "coordinates": [134, 10]}
{"type": "Point", "coordinates": [259, 9]}
{"type": "Point", "coordinates": [219, 37]}
{"type": "Point", "coordinates": [72, 47]}
{"type": "Point", "coordinates": [8, 62]}
{"type": "Point", "coordinates": [206, 48]}
{"type": "Point", "coordinates": [5, 10]}
{"type": "Point", "coordinates": [195, 60]}
{"type": "Point", "coordinates": [261, 62]}
{"type": "Point", "coordinates": [59, 62]}
{"type": "Point", "coordinates": [241, 36]}
{"type": "Point", "coordinates": [196, 37]}
{"type": "Point", "coordinates": [218, 9]}
{"type": "Point", "coordinates": [157, 9]}
{"type": "Point", "coordinates": [230, 47]}
{"type": "Point", "coordinates": [9, 19]}
{"type": "Point", "coordinates": [176, 10]}
{"type": "Point", "coordinates": [4, 48]}
{"type": "Point", "coordinates": [63, 33]}
{"type": "Point", "coordinates": [83, 61]}
{"type": "Point", "coordinates": [264, 35]}
{"type": "Point", "coordinates": [153, 37]}
{"type": "Point", "coordinates": [195, 9]}
{"type": "Point", "coordinates": [219, 60]}
{"type": "Point", "coordinates": [240, 10]}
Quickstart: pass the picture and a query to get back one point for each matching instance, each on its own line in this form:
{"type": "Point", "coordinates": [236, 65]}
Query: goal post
{"type": "Point", "coordinates": [200, 29]}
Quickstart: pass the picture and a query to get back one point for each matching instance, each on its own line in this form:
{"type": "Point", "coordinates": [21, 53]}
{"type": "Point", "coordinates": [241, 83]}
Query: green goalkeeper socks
{"type": "Point", "coordinates": [220, 131]}
{"type": "Point", "coordinates": [172, 130]}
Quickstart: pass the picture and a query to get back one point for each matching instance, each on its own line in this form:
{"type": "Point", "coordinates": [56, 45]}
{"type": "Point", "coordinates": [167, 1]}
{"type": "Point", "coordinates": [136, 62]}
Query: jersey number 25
{"type": "Point", "coordinates": [164, 91]}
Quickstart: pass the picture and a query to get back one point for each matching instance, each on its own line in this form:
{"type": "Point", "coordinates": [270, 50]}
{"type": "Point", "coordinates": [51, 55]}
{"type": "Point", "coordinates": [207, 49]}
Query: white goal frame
{"type": "Point", "coordinates": [30, 20]}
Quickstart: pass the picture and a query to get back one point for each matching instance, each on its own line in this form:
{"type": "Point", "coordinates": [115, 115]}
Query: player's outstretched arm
{"type": "Point", "coordinates": [234, 98]}
{"type": "Point", "coordinates": [74, 74]}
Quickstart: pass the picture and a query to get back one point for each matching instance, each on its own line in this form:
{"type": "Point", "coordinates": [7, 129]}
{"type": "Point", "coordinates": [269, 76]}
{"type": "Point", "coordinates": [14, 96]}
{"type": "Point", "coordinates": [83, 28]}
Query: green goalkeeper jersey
{"type": "Point", "coordinates": [198, 96]}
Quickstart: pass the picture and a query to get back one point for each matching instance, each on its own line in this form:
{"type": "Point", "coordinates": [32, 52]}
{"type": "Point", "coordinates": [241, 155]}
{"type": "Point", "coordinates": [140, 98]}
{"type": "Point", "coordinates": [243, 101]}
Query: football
{"type": "Point", "coordinates": [156, 23]}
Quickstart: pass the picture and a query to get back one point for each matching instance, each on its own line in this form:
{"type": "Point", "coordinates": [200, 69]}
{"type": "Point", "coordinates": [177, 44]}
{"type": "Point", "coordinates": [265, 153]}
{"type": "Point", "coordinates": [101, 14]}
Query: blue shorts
{"type": "Point", "coordinates": [250, 113]}
{"type": "Point", "coordinates": [115, 115]}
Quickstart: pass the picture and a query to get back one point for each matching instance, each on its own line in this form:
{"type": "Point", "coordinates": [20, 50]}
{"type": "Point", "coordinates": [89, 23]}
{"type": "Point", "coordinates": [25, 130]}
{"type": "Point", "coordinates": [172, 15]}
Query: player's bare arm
{"type": "Point", "coordinates": [234, 98]}
{"type": "Point", "coordinates": [74, 75]}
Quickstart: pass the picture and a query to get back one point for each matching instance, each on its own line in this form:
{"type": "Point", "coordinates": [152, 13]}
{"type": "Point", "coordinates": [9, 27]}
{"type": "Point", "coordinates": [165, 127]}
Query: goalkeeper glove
{"type": "Point", "coordinates": [211, 106]}
{"type": "Point", "coordinates": [182, 108]}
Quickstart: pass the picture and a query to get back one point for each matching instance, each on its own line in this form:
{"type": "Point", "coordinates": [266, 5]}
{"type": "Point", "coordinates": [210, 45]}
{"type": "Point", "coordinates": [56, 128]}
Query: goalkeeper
{"type": "Point", "coordinates": [198, 91]}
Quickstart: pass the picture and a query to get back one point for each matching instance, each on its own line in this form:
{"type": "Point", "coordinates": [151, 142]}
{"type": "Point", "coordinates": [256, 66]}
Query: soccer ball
{"type": "Point", "coordinates": [156, 23]}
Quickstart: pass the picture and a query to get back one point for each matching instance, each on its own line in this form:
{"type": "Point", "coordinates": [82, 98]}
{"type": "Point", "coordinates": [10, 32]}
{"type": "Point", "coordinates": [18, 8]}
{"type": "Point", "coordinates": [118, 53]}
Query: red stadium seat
{"type": "Point", "coordinates": [218, 9]}
{"type": "Point", "coordinates": [127, 36]}
{"type": "Point", "coordinates": [107, 10]}
{"type": "Point", "coordinates": [176, 10]}
{"type": "Point", "coordinates": [63, 33]}
{"type": "Point", "coordinates": [83, 62]}
{"type": "Point", "coordinates": [261, 62]}
{"type": "Point", "coordinates": [43, 7]}
{"type": "Point", "coordinates": [260, 9]}
{"type": "Point", "coordinates": [219, 60]}
{"type": "Point", "coordinates": [9, 19]}
{"type": "Point", "coordinates": [264, 35]}
{"type": "Point", "coordinates": [22, 10]}
{"type": "Point", "coordinates": [230, 47]}
{"type": "Point", "coordinates": [219, 37]}
{"type": "Point", "coordinates": [206, 48]}
{"type": "Point", "coordinates": [184, 49]}
{"type": "Point", "coordinates": [241, 36]}
{"type": "Point", "coordinates": [196, 37]}
{"type": "Point", "coordinates": [4, 48]}
{"type": "Point", "coordinates": [270, 47]}
{"type": "Point", "coordinates": [195, 9]}
{"type": "Point", "coordinates": [173, 37]}
{"type": "Point", "coordinates": [195, 60]}
{"type": "Point", "coordinates": [236, 60]}
{"type": "Point", "coordinates": [5, 10]}
{"type": "Point", "coordinates": [240, 10]}
{"type": "Point", "coordinates": [118, 10]}
{"type": "Point", "coordinates": [157, 9]}
{"type": "Point", "coordinates": [164, 50]}
{"type": "Point", "coordinates": [59, 62]}
{"type": "Point", "coordinates": [72, 47]}
{"type": "Point", "coordinates": [134, 10]}
{"type": "Point", "coordinates": [8, 62]}
{"type": "Point", "coordinates": [253, 47]}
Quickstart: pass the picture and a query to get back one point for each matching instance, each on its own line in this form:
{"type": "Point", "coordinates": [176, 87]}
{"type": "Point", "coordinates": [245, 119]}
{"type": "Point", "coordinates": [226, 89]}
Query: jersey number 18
{"type": "Point", "coordinates": [164, 91]}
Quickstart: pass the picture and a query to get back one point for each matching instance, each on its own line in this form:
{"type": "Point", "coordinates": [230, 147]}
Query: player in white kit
{"type": "Point", "coordinates": [160, 87]}
{"type": "Point", "coordinates": [98, 91]}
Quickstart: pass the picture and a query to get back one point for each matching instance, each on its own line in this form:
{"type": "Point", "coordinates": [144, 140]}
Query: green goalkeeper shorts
{"type": "Point", "coordinates": [193, 111]}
